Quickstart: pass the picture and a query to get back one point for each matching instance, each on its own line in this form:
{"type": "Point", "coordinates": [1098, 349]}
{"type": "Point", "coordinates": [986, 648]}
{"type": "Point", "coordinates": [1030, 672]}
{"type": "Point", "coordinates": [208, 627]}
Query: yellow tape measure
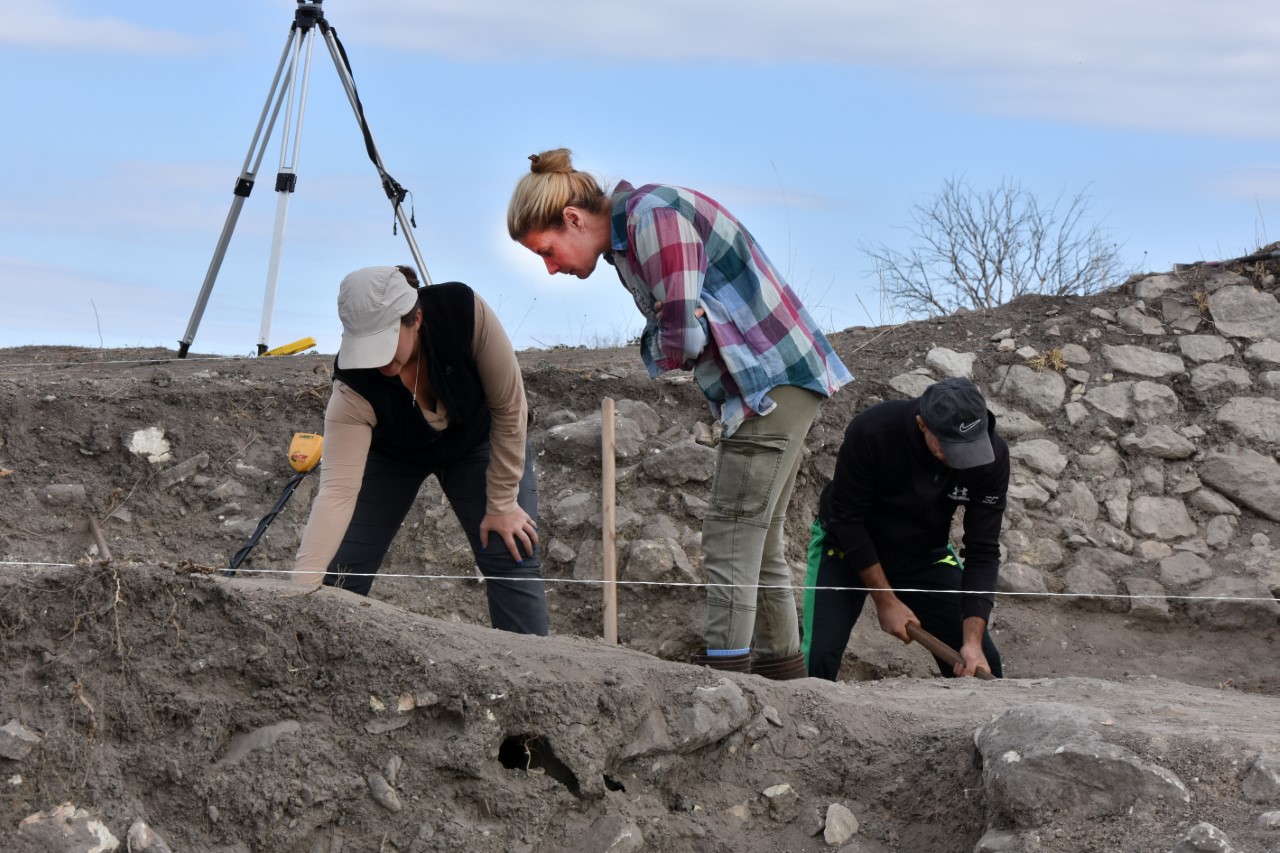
{"type": "Point", "coordinates": [295, 347]}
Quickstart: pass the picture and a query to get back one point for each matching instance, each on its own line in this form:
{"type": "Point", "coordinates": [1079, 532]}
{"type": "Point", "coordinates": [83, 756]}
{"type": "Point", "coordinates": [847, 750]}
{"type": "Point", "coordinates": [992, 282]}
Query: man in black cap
{"type": "Point", "coordinates": [884, 525]}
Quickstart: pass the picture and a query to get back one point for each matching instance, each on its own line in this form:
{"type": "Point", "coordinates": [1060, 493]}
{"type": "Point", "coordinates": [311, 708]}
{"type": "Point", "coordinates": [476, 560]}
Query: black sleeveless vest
{"type": "Point", "coordinates": [445, 336]}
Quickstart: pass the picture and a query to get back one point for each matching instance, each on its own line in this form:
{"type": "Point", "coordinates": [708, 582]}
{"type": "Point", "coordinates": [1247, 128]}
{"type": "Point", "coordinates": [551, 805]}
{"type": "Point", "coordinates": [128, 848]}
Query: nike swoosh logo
{"type": "Point", "coordinates": [967, 427]}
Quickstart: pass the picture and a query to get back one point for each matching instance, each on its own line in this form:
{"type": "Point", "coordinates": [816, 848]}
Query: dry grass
{"type": "Point", "coordinates": [1053, 358]}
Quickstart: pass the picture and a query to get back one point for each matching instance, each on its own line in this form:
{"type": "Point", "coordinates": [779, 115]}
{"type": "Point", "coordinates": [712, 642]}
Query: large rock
{"type": "Point", "coordinates": [1076, 502]}
{"type": "Point", "coordinates": [1204, 838]}
{"type": "Point", "coordinates": [1208, 377]}
{"type": "Point", "coordinates": [641, 414]}
{"type": "Point", "coordinates": [1234, 603]}
{"type": "Point", "coordinates": [1050, 760]}
{"type": "Point", "coordinates": [580, 442]}
{"type": "Point", "coordinates": [1212, 503]}
{"type": "Point", "coordinates": [1160, 518]}
{"type": "Point", "coordinates": [653, 560]}
{"type": "Point", "coordinates": [17, 741]}
{"type": "Point", "coordinates": [1038, 552]}
{"type": "Point", "coordinates": [1155, 286]}
{"type": "Point", "coordinates": [1012, 423]}
{"type": "Point", "coordinates": [572, 511]}
{"type": "Point", "coordinates": [1041, 455]}
{"type": "Point", "coordinates": [681, 462]}
{"type": "Point", "coordinates": [713, 713]}
{"type": "Point", "coordinates": [1246, 477]}
{"type": "Point", "coordinates": [1042, 391]}
{"type": "Point", "coordinates": [1021, 579]}
{"type": "Point", "coordinates": [1204, 348]}
{"type": "Point", "coordinates": [1111, 537]}
{"type": "Point", "coordinates": [612, 833]}
{"type": "Point", "coordinates": [949, 363]}
{"type": "Point", "coordinates": [1141, 361]}
{"type": "Point", "coordinates": [1256, 418]}
{"type": "Point", "coordinates": [1262, 782]}
{"type": "Point", "coordinates": [1028, 491]}
{"type": "Point", "coordinates": [67, 828]}
{"type": "Point", "coordinates": [1265, 353]}
{"type": "Point", "coordinates": [1153, 401]}
{"type": "Point", "coordinates": [912, 384]}
{"type": "Point", "coordinates": [1147, 600]}
{"type": "Point", "coordinates": [1092, 589]}
{"type": "Point", "coordinates": [840, 826]}
{"type": "Point", "coordinates": [1115, 399]}
{"type": "Point", "coordinates": [1101, 463]}
{"type": "Point", "coordinates": [1242, 312]}
{"type": "Point", "coordinates": [1159, 441]}
{"type": "Point", "coordinates": [1129, 401]}
{"type": "Point", "coordinates": [1135, 321]}
{"type": "Point", "coordinates": [1184, 569]}
{"type": "Point", "coordinates": [1112, 563]}
{"type": "Point", "coordinates": [1115, 497]}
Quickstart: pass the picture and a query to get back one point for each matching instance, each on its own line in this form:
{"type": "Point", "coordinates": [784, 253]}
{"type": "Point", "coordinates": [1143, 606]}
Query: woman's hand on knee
{"type": "Point", "coordinates": [518, 530]}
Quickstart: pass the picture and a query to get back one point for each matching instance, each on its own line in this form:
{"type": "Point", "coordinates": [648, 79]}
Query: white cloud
{"type": "Point", "coordinates": [48, 24]}
{"type": "Point", "coordinates": [1182, 65]}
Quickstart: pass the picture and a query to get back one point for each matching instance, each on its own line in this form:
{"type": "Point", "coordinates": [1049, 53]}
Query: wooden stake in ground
{"type": "Point", "coordinates": [609, 522]}
{"type": "Point", "coordinates": [95, 530]}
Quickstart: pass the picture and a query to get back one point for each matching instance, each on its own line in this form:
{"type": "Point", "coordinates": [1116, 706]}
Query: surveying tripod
{"type": "Point", "coordinates": [307, 19]}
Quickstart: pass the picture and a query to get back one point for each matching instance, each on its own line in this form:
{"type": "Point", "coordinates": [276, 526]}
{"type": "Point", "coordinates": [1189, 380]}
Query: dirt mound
{"type": "Point", "coordinates": [239, 714]}
{"type": "Point", "coordinates": [246, 715]}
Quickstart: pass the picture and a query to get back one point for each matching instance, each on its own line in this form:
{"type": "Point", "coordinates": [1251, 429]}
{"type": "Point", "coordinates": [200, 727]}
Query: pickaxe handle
{"type": "Point", "coordinates": [941, 650]}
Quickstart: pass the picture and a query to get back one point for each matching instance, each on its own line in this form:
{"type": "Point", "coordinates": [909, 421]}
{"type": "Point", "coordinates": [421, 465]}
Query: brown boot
{"type": "Point", "coordinates": [730, 663]}
{"type": "Point", "coordinates": [781, 669]}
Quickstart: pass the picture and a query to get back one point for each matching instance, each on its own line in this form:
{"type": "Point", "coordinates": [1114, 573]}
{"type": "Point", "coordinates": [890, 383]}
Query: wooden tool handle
{"type": "Point", "coordinates": [940, 649]}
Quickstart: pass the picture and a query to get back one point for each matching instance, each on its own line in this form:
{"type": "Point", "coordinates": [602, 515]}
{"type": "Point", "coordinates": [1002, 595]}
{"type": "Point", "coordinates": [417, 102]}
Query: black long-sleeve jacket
{"type": "Point", "coordinates": [891, 501]}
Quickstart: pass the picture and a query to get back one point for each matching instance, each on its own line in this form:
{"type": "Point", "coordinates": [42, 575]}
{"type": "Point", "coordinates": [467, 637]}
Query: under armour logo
{"type": "Point", "coordinates": [967, 427]}
{"type": "Point", "coordinates": [959, 493]}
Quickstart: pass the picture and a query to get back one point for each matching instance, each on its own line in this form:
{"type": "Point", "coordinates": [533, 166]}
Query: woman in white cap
{"type": "Point", "coordinates": [426, 382]}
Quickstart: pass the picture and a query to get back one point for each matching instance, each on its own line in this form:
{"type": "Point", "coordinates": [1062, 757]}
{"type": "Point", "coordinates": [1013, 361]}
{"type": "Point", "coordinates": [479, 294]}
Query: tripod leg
{"type": "Point", "coordinates": [244, 186]}
{"type": "Point", "coordinates": [393, 190]}
{"type": "Point", "coordinates": [286, 182]}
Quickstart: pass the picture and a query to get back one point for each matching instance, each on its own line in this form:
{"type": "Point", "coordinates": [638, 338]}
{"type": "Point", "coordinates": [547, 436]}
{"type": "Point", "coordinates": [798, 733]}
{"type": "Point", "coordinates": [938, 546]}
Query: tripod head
{"type": "Point", "coordinates": [308, 14]}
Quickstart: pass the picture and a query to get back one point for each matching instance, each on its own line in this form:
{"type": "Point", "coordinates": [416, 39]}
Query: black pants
{"type": "Point", "coordinates": [829, 615]}
{"type": "Point", "coordinates": [517, 600]}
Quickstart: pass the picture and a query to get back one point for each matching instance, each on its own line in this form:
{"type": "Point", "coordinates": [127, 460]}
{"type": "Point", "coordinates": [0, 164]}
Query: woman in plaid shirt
{"type": "Point", "coordinates": [715, 305]}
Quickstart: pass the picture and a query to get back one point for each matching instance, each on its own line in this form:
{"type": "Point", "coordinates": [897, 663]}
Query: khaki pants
{"type": "Point", "coordinates": [742, 536]}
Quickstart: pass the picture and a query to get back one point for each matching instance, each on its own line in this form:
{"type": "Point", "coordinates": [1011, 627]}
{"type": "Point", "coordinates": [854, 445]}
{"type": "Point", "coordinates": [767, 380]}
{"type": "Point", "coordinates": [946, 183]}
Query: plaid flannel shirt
{"type": "Point", "coordinates": [681, 248]}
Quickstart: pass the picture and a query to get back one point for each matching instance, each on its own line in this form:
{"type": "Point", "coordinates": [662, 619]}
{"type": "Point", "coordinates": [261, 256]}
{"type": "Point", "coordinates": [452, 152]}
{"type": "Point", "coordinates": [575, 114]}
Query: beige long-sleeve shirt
{"type": "Point", "coordinates": [348, 434]}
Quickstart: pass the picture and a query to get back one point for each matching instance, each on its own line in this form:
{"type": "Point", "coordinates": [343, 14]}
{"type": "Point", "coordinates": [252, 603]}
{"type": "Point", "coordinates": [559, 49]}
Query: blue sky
{"type": "Point", "coordinates": [819, 123]}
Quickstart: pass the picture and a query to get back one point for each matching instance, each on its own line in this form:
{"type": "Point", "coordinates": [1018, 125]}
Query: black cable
{"type": "Point", "coordinates": [240, 556]}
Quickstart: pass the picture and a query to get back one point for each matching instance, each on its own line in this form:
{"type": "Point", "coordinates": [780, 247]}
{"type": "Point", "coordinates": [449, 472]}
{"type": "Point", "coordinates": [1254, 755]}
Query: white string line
{"type": "Point", "coordinates": [708, 584]}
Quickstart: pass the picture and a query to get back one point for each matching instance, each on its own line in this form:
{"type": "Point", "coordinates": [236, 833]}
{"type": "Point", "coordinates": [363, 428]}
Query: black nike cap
{"type": "Point", "coordinates": [955, 412]}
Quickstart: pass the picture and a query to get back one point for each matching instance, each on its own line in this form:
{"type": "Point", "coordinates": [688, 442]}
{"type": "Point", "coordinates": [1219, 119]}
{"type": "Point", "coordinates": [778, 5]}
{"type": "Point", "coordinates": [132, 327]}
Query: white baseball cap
{"type": "Point", "coordinates": [371, 302]}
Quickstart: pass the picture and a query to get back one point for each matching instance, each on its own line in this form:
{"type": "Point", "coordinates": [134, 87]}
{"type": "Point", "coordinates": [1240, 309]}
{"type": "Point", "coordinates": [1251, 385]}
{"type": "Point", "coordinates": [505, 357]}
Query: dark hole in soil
{"type": "Point", "coordinates": [532, 754]}
{"type": "Point", "coordinates": [613, 784]}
